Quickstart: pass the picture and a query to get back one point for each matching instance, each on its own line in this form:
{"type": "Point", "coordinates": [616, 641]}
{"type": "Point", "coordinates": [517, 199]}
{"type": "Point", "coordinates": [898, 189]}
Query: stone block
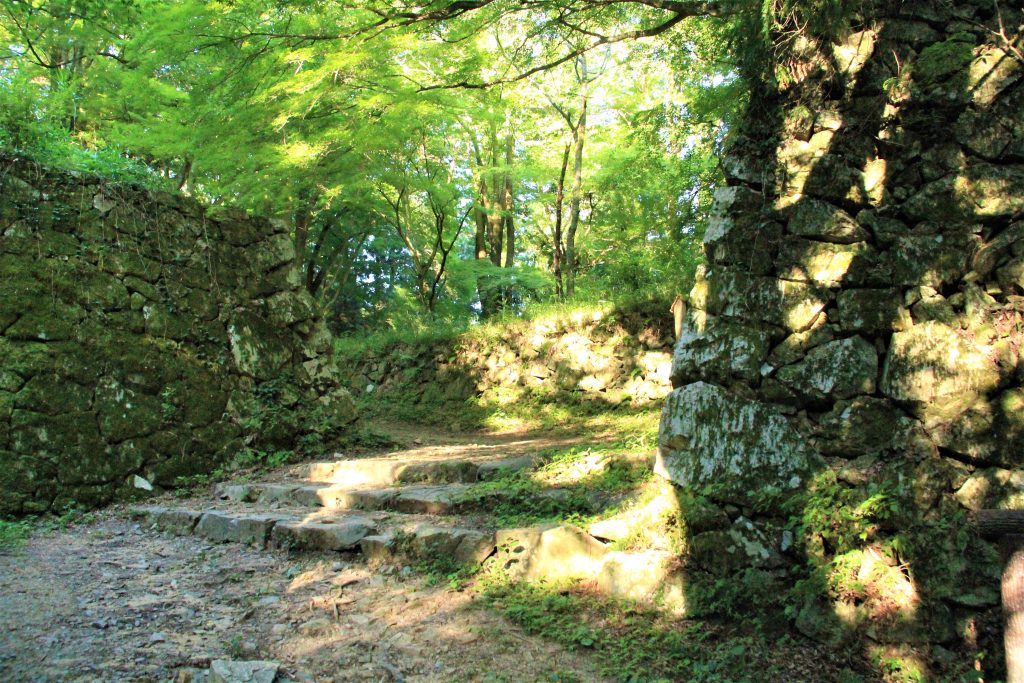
{"type": "Point", "coordinates": [729, 292]}
{"type": "Point", "coordinates": [320, 535]}
{"type": "Point", "coordinates": [709, 435]}
{"type": "Point", "coordinates": [555, 553]}
{"type": "Point", "coordinates": [933, 362]}
{"type": "Point", "coordinates": [818, 220]}
{"type": "Point", "coordinates": [719, 349]}
{"type": "Point", "coordinates": [838, 369]}
{"type": "Point", "coordinates": [225, 527]}
{"type": "Point", "coordinates": [225, 671]}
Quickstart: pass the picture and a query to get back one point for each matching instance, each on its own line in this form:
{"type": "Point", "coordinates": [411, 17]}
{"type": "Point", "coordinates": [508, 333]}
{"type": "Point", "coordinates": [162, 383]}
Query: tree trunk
{"type": "Point", "coordinates": [183, 175]}
{"type": "Point", "coordinates": [576, 199]}
{"type": "Point", "coordinates": [302, 221]}
{"type": "Point", "coordinates": [556, 252]}
{"type": "Point", "coordinates": [508, 205]}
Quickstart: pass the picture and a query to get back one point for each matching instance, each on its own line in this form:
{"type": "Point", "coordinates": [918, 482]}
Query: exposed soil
{"type": "Point", "coordinates": [110, 601]}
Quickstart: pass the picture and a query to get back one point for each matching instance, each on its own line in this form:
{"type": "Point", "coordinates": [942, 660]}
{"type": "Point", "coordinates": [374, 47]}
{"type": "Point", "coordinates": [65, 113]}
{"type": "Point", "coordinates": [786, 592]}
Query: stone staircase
{"type": "Point", "coordinates": [398, 507]}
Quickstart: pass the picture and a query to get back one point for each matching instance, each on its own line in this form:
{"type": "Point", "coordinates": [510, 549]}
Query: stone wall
{"type": "Point", "coordinates": [608, 357]}
{"type": "Point", "coordinates": [143, 337]}
{"type": "Point", "coordinates": [856, 334]}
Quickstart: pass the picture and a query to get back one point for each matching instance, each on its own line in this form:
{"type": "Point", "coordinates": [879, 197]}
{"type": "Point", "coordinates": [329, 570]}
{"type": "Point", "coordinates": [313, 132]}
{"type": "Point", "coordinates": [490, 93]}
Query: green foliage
{"type": "Point", "coordinates": [378, 174]}
{"type": "Point", "coordinates": [247, 463]}
{"type": "Point", "coordinates": [636, 644]}
{"type": "Point", "coordinates": [571, 485]}
{"type": "Point", "coordinates": [13, 534]}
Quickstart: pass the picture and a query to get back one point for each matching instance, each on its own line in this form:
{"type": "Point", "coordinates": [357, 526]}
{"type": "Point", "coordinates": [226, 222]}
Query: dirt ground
{"type": "Point", "coordinates": [111, 601]}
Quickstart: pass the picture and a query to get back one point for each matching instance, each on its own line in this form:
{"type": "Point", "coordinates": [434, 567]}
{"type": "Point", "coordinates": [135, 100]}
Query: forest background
{"type": "Point", "coordinates": [417, 198]}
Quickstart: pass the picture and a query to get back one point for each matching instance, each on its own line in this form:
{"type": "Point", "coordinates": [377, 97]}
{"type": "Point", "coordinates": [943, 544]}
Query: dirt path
{"type": "Point", "coordinates": [109, 601]}
{"type": "Point", "coordinates": [112, 601]}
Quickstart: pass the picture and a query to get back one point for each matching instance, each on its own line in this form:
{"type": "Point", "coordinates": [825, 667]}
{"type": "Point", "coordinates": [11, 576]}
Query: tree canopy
{"type": "Point", "coordinates": [441, 160]}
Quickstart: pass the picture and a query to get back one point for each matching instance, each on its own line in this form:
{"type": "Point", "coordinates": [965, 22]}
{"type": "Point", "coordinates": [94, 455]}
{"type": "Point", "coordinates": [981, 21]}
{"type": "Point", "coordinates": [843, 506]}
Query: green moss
{"type": "Point", "coordinates": [942, 60]}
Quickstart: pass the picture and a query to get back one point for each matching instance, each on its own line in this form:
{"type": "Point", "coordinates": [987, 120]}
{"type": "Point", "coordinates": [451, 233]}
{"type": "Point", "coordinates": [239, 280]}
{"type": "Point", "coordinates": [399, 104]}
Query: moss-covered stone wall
{"type": "Point", "coordinates": [608, 357]}
{"type": "Point", "coordinates": [849, 380]}
{"type": "Point", "coordinates": [141, 336]}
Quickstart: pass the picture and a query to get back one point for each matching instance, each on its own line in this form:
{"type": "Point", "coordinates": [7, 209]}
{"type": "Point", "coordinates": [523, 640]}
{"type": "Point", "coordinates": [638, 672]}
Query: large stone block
{"type": "Point", "coordinates": [818, 220]}
{"type": "Point", "coordinates": [718, 349]}
{"type": "Point", "coordinates": [934, 363]}
{"type": "Point", "coordinates": [729, 292]}
{"type": "Point", "coordinates": [821, 263]}
{"type": "Point", "coordinates": [321, 535]}
{"type": "Point", "coordinates": [555, 553]}
{"type": "Point", "coordinates": [839, 369]}
{"type": "Point", "coordinates": [983, 191]}
{"type": "Point", "coordinates": [862, 426]}
{"type": "Point", "coordinates": [873, 311]}
{"type": "Point", "coordinates": [932, 260]}
{"type": "Point", "coordinates": [225, 527]}
{"type": "Point", "coordinates": [985, 429]}
{"type": "Point", "coordinates": [709, 435]}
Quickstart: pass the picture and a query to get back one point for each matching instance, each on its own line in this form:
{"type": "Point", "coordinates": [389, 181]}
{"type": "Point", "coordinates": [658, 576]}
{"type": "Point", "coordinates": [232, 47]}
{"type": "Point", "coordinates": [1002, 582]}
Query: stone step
{"type": "Point", "coordinates": [379, 539]}
{"type": "Point", "coordinates": [369, 472]}
{"type": "Point", "coordinates": [551, 553]}
{"type": "Point", "coordinates": [434, 500]}
{"type": "Point", "coordinates": [557, 553]}
{"type": "Point", "coordinates": [261, 529]}
{"type": "Point", "coordinates": [463, 546]}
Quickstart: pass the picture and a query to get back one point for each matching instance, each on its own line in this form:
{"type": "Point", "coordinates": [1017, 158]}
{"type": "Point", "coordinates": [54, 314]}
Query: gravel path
{"type": "Point", "coordinates": [110, 601]}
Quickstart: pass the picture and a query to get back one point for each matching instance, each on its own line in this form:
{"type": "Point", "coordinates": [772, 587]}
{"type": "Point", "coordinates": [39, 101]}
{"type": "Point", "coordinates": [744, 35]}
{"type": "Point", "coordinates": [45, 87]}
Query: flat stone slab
{"type": "Point", "coordinates": [385, 472]}
{"type": "Point", "coordinates": [466, 546]}
{"type": "Point", "coordinates": [369, 472]}
{"type": "Point", "coordinates": [438, 472]}
{"type": "Point", "coordinates": [436, 500]}
{"type": "Point", "coordinates": [226, 671]}
{"type": "Point", "coordinates": [180, 522]}
{"type": "Point", "coordinates": [226, 527]}
{"type": "Point", "coordinates": [321, 535]}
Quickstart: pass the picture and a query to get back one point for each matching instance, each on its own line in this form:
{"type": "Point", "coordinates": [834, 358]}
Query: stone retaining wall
{"type": "Point", "coordinates": [853, 351]}
{"type": "Point", "coordinates": [141, 336]}
{"type": "Point", "coordinates": [613, 357]}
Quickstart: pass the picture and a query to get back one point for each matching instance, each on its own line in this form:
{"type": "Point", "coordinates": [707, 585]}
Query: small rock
{"type": "Point", "coordinates": [280, 629]}
{"type": "Point", "coordinates": [158, 638]}
{"type": "Point", "coordinates": [268, 600]}
{"type": "Point", "coordinates": [316, 627]}
{"type": "Point", "coordinates": [225, 671]}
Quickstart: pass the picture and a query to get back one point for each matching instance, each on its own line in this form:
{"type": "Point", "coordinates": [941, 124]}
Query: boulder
{"type": "Point", "coordinates": [730, 292]}
{"type": "Point", "coordinates": [821, 263]}
{"type": "Point", "coordinates": [933, 362]}
{"type": "Point", "coordinates": [872, 311]}
{"type": "Point", "coordinates": [226, 671]}
{"type": "Point", "coordinates": [862, 426]}
{"type": "Point", "coordinates": [553, 553]}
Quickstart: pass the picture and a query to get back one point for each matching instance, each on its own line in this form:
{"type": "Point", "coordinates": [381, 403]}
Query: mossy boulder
{"type": "Point", "coordinates": [934, 365]}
